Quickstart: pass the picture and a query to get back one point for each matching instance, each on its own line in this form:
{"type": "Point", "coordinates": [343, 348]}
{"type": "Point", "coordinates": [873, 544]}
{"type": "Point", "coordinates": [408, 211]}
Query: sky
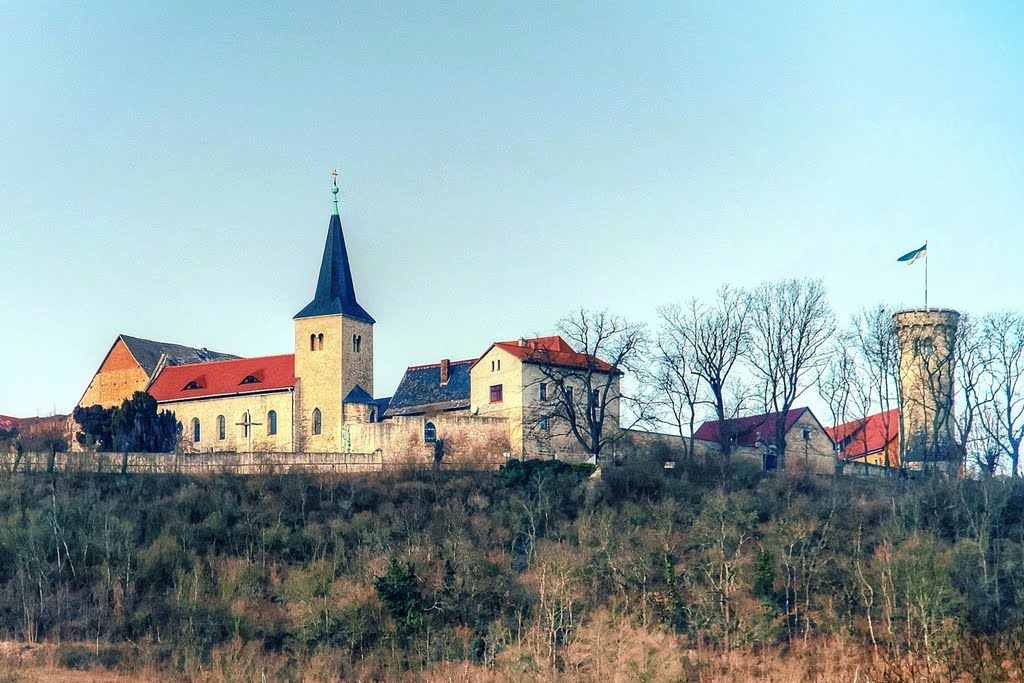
{"type": "Point", "coordinates": [165, 167]}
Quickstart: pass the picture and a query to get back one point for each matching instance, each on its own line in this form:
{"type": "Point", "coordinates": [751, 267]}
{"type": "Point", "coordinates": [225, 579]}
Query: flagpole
{"type": "Point", "coordinates": [926, 275]}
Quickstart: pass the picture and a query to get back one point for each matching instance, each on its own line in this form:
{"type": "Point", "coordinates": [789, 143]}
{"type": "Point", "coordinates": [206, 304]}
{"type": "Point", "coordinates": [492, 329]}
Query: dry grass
{"type": "Point", "coordinates": [607, 650]}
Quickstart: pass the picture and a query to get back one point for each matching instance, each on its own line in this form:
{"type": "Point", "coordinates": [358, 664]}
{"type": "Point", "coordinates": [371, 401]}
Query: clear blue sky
{"type": "Point", "coordinates": [164, 169]}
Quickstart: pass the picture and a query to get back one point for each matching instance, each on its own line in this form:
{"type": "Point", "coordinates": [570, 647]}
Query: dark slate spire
{"type": "Point", "coordinates": [335, 292]}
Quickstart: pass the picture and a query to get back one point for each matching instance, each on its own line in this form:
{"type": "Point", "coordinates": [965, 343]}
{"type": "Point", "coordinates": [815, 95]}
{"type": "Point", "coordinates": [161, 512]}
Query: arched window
{"type": "Point", "coordinates": [320, 342]}
{"type": "Point", "coordinates": [245, 422]}
{"type": "Point", "coordinates": [220, 427]}
{"type": "Point", "coordinates": [272, 422]}
{"type": "Point", "coordinates": [317, 422]}
{"type": "Point", "coordinates": [196, 434]}
{"type": "Point", "coordinates": [312, 342]}
{"type": "Point", "coordinates": [429, 433]}
{"type": "Point", "coordinates": [357, 341]}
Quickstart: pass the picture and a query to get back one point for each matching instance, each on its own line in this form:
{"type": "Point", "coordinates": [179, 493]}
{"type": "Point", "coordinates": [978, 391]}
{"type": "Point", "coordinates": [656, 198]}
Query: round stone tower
{"type": "Point", "coordinates": [926, 338]}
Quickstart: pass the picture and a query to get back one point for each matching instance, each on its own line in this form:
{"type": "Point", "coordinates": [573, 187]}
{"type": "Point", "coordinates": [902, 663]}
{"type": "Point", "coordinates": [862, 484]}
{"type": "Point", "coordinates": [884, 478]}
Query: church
{"type": "Point", "coordinates": [320, 397]}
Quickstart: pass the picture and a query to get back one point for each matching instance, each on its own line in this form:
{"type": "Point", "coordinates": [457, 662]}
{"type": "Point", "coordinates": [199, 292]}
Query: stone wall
{"type": "Point", "coordinates": [470, 442]}
{"type": "Point", "coordinates": [232, 408]}
{"type": "Point", "coordinates": [926, 339]}
{"type": "Point", "coordinates": [818, 458]}
{"type": "Point", "coordinates": [118, 378]}
{"type": "Point", "coordinates": [498, 367]}
{"type": "Point", "coordinates": [200, 463]}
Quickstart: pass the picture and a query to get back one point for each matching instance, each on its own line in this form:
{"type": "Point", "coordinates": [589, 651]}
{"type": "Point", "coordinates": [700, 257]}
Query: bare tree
{"type": "Point", "coordinates": [790, 322]}
{"type": "Point", "coordinates": [714, 338]}
{"type": "Point", "coordinates": [985, 452]}
{"type": "Point", "coordinates": [843, 382]}
{"type": "Point", "coordinates": [583, 399]}
{"type": "Point", "coordinates": [970, 373]}
{"type": "Point", "coordinates": [879, 348]}
{"type": "Point", "coordinates": [672, 391]}
{"type": "Point", "coordinates": [1004, 351]}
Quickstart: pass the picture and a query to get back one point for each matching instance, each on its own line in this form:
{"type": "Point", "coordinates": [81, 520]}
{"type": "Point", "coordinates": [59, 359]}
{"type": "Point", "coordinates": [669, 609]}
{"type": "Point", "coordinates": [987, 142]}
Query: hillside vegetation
{"type": "Point", "coordinates": [539, 572]}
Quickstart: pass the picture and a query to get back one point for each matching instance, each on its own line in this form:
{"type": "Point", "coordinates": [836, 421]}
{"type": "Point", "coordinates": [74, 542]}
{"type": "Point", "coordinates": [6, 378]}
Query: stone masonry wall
{"type": "Point", "coordinates": [470, 442]}
{"type": "Point", "coordinates": [118, 378]}
{"type": "Point", "coordinates": [233, 408]}
{"type": "Point", "coordinates": [200, 463]}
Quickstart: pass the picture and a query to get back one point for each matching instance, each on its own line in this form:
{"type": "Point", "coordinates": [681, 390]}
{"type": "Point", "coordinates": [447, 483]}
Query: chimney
{"type": "Point", "coordinates": [445, 363]}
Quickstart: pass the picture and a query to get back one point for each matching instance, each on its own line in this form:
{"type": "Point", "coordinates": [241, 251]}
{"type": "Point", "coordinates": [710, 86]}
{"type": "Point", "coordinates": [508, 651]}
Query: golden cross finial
{"type": "Point", "coordinates": [334, 175]}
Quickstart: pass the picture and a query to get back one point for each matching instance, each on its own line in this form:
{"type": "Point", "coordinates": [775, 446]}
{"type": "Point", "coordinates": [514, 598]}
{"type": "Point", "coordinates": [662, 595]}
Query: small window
{"type": "Point", "coordinates": [249, 379]}
{"type": "Point", "coordinates": [543, 391]}
{"type": "Point", "coordinates": [429, 433]}
{"type": "Point", "coordinates": [568, 395]}
{"type": "Point", "coordinates": [193, 385]}
{"type": "Point", "coordinates": [312, 342]}
{"type": "Point", "coordinates": [595, 397]}
{"type": "Point", "coordinates": [927, 346]}
{"type": "Point", "coordinates": [320, 342]}
{"type": "Point", "coordinates": [196, 432]}
{"type": "Point", "coordinates": [807, 435]}
{"type": "Point", "coordinates": [220, 427]}
{"type": "Point", "coordinates": [544, 423]}
{"type": "Point", "coordinates": [245, 423]}
{"type": "Point", "coordinates": [317, 423]}
{"type": "Point", "coordinates": [499, 365]}
{"type": "Point", "coordinates": [357, 342]}
{"type": "Point", "coordinates": [272, 422]}
{"type": "Point", "coordinates": [495, 393]}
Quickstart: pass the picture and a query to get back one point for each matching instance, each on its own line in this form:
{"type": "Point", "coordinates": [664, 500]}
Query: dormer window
{"type": "Point", "coordinates": [250, 379]}
{"type": "Point", "coordinates": [194, 384]}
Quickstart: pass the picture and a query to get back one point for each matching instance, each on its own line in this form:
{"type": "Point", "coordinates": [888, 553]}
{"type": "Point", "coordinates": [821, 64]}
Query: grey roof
{"type": "Point", "coordinates": [335, 292]}
{"type": "Point", "coordinates": [382, 406]}
{"type": "Point", "coordinates": [359, 395]}
{"type": "Point", "coordinates": [148, 352]}
{"type": "Point", "coordinates": [421, 391]}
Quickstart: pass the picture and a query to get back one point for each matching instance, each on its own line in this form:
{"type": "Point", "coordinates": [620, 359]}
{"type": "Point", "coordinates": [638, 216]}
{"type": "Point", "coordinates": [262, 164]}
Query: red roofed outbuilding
{"type": "Point", "coordinates": [807, 441]}
{"type": "Point", "coordinates": [872, 440]}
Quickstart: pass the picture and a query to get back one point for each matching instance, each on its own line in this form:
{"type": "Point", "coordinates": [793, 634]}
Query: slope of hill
{"type": "Point", "coordinates": [541, 572]}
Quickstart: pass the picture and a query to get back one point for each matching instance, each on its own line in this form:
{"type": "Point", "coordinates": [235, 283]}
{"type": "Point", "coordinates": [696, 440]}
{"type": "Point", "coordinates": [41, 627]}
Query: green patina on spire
{"type": "Point", "coordinates": [334, 190]}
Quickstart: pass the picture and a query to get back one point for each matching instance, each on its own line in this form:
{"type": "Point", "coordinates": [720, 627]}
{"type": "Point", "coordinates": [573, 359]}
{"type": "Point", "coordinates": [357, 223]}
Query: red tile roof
{"type": "Point", "coordinates": [552, 351]}
{"type": "Point", "coordinates": [224, 377]}
{"type": "Point", "coordinates": [7, 423]}
{"type": "Point", "coordinates": [867, 435]}
{"type": "Point", "coordinates": [748, 430]}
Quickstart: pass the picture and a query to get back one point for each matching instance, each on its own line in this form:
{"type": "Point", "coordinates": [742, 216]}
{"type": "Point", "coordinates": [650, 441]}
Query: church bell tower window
{"type": "Point", "coordinates": [357, 341]}
{"type": "Point", "coordinates": [317, 421]}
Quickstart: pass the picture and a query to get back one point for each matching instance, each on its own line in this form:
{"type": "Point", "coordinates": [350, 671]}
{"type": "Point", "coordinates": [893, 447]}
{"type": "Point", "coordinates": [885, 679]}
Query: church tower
{"type": "Point", "coordinates": [926, 341]}
{"type": "Point", "coordinates": [333, 347]}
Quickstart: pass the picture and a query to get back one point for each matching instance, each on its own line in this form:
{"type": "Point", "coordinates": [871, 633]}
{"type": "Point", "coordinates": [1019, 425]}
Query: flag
{"type": "Point", "coordinates": [912, 256]}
